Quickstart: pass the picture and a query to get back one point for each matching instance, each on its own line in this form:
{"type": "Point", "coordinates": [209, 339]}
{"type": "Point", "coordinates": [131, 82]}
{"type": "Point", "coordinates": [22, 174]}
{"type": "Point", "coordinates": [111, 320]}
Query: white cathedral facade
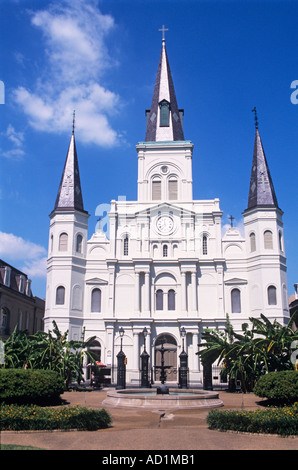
{"type": "Point", "coordinates": [166, 265]}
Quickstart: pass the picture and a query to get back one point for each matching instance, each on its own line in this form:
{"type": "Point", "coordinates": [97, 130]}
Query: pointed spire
{"type": "Point", "coordinates": [164, 119]}
{"type": "Point", "coordinates": [70, 193]}
{"type": "Point", "coordinates": [261, 190]}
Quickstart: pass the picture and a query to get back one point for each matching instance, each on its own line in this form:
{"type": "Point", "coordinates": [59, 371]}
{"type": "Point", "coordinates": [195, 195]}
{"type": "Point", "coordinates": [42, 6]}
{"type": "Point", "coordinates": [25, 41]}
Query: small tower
{"type": "Point", "coordinates": [165, 157]}
{"type": "Point", "coordinates": [264, 240]}
{"type": "Point", "coordinates": [67, 251]}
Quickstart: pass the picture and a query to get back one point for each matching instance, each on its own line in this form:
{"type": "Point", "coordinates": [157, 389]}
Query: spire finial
{"type": "Point", "coordinates": [163, 30]}
{"type": "Point", "coordinates": [73, 121]}
{"type": "Point", "coordinates": [256, 117]}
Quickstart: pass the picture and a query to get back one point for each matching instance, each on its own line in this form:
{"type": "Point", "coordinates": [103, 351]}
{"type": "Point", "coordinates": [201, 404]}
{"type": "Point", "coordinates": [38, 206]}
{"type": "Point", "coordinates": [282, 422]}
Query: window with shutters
{"type": "Point", "coordinates": [156, 190]}
{"type": "Point", "coordinates": [96, 300]}
{"type": "Point", "coordinates": [159, 299]}
{"type": "Point", "coordinates": [173, 189]}
{"type": "Point", "coordinates": [268, 240]}
{"type": "Point", "coordinates": [272, 295]}
{"type": "Point", "coordinates": [63, 241]}
{"type": "Point", "coordinates": [236, 301]}
{"type": "Point", "coordinates": [252, 238]}
{"type": "Point", "coordinates": [60, 295]}
{"type": "Point", "coordinates": [171, 299]}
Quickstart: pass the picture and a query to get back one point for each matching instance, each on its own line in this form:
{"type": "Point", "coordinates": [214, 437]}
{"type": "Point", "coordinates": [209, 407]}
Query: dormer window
{"type": "Point", "coordinates": [164, 113]}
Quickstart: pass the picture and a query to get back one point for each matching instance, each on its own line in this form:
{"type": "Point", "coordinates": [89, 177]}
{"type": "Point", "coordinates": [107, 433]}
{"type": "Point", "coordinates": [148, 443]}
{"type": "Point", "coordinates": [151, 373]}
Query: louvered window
{"type": "Point", "coordinates": [63, 241]}
{"type": "Point", "coordinates": [236, 301]}
{"type": "Point", "coordinates": [159, 299]}
{"type": "Point", "coordinates": [79, 246]}
{"type": "Point", "coordinates": [164, 114]}
{"type": "Point", "coordinates": [60, 295]}
{"type": "Point", "coordinates": [252, 238]}
{"type": "Point", "coordinates": [268, 240]}
{"type": "Point", "coordinates": [272, 295]}
{"type": "Point", "coordinates": [173, 190]}
{"type": "Point", "coordinates": [96, 300]}
{"type": "Point", "coordinates": [156, 190]}
{"type": "Point", "coordinates": [171, 299]}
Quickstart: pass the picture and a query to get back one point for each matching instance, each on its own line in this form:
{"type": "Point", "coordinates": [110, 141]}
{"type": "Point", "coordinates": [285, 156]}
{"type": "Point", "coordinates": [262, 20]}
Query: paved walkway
{"type": "Point", "coordinates": [137, 429]}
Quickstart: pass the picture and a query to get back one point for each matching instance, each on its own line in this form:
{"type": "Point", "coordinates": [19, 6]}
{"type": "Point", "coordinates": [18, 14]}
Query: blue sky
{"type": "Point", "coordinates": [100, 58]}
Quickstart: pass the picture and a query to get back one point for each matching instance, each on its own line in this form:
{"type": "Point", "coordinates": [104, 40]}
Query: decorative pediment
{"type": "Point", "coordinates": [96, 281]}
{"type": "Point", "coordinates": [235, 281]}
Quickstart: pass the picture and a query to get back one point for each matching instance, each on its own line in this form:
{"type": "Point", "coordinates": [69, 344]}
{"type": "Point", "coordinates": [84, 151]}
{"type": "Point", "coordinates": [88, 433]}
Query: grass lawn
{"type": "Point", "coordinates": [16, 447]}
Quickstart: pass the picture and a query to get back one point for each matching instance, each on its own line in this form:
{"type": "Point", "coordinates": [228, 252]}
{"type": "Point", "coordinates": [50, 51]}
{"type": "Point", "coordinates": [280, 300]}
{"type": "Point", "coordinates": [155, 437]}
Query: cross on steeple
{"type": "Point", "coordinates": [73, 121]}
{"type": "Point", "coordinates": [256, 117]}
{"type": "Point", "coordinates": [163, 30]}
{"type": "Point", "coordinates": [231, 218]}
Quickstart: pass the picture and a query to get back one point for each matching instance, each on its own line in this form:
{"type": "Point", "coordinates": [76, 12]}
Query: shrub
{"type": "Point", "coordinates": [30, 386]}
{"type": "Point", "coordinates": [32, 417]}
{"type": "Point", "coordinates": [282, 421]}
{"type": "Point", "coordinates": [279, 387]}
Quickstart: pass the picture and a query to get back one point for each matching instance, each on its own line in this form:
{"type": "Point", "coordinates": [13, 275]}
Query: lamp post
{"type": "Point", "coordinates": [121, 367]}
{"type": "Point", "coordinates": [183, 369]}
{"type": "Point", "coordinates": [144, 364]}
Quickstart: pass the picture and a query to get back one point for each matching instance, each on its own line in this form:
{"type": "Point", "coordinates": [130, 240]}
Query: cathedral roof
{"type": "Point", "coordinates": [261, 190]}
{"type": "Point", "coordinates": [70, 193]}
{"type": "Point", "coordinates": [164, 93]}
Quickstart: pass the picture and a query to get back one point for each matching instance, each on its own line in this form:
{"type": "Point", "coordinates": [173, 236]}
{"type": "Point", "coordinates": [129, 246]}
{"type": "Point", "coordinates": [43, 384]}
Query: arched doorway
{"type": "Point", "coordinates": [95, 350]}
{"type": "Point", "coordinates": [170, 357]}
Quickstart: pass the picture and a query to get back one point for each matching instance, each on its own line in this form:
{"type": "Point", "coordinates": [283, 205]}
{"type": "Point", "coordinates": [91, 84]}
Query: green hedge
{"type": "Point", "coordinates": [30, 386]}
{"type": "Point", "coordinates": [32, 417]}
{"type": "Point", "coordinates": [282, 421]}
{"type": "Point", "coordinates": [280, 387]}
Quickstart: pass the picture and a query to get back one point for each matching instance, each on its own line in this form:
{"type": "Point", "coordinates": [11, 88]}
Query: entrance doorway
{"type": "Point", "coordinates": [170, 357]}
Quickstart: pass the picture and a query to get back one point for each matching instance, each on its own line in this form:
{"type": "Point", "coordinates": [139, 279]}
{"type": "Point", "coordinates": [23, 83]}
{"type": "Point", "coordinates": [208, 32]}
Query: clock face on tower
{"type": "Point", "coordinates": [165, 224]}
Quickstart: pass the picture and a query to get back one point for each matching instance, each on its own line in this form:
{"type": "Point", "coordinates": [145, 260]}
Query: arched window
{"type": "Point", "coordinates": [165, 251]}
{"type": "Point", "coordinates": [271, 295]}
{"type": "Point", "coordinates": [159, 299]}
{"type": "Point", "coordinates": [156, 190]}
{"type": "Point", "coordinates": [51, 243]}
{"type": "Point", "coordinates": [63, 241]}
{"type": "Point", "coordinates": [280, 241]}
{"type": "Point", "coordinates": [236, 301]}
{"type": "Point", "coordinates": [96, 300]}
{"type": "Point", "coordinates": [125, 246]}
{"type": "Point", "coordinates": [79, 244]}
{"type": "Point", "coordinates": [204, 245]}
{"type": "Point", "coordinates": [268, 240]}
{"type": "Point", "coordinates": [171, 299]}
{"type": "Point", "coordinates": [60, 295]}
{"type": "Point", "coordinates": [252, 238]}
{"type": "Point", "coordinates": [173, 189]}
{"type": "Point", "coordinates": [164, 113]}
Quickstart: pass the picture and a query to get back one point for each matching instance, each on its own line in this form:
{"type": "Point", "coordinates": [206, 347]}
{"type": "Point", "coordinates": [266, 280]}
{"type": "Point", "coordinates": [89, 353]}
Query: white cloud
{"type": "Point", "coordinates": [76, 56]}
{"type": "Point", "coordinates": [16, 139]}
{"type": "Point", "coordinates": [23, 252]}
{"type": "Point", "coordinates": [36, 268]}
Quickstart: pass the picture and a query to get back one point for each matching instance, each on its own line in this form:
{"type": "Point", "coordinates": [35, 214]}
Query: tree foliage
{"type": "Point", "coordinates": [49, 351]}
{"type": "Point", "coordinates": [263, 346]}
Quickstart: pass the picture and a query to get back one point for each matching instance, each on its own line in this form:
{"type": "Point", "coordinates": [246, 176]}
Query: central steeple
{"type": "Point", "coordinates": [164, 119]}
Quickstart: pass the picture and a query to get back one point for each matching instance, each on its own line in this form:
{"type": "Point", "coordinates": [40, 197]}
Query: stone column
{"type": "Point", "coordinates": [147, 293]}
{"type": "Point", "coordinates": [137, 293]}
{"type": "Point", "coordinates": [194, 291]}
{"type": "Point", "coordinates": [183, 291]}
